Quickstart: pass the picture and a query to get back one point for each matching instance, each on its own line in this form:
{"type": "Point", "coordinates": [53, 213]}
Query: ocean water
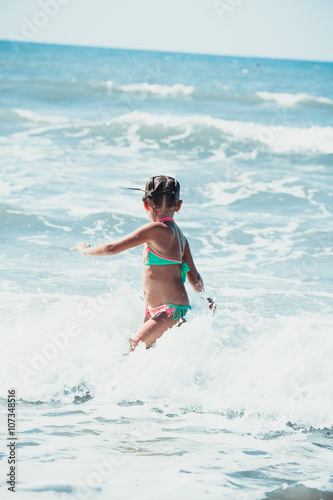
{"type": "Point", "coordinates": [236, 405]}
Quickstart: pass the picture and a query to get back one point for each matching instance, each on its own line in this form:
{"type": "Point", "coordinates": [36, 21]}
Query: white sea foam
{"type": "Point", "coordinates": [38, 118]}
{"type": "Point", "coordinates": [148, 131]}
{"type": "Point", "coordinates": [245, 155]}
{"type": "Point", "coordinates": [178, 89]}
{"type": "Point", "coordinates": [5, 188]}
{"type": "Point", "coordinates": [227, 192]}
{"type": "Point", "coordinates": [278, 138]}
{"type": "Point", "coordinates": [288, 100]}
{"type": "Point", "coordinates": [271, 372]}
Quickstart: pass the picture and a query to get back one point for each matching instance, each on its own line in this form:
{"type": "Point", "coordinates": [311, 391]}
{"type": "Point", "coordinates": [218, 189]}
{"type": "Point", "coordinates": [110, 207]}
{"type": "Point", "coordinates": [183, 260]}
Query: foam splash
{"type": "Point", "coordinates": [75, 348]}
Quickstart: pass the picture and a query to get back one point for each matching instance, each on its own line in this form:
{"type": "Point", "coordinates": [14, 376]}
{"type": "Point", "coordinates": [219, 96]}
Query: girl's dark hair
{"type": "Point", "coordinates": [162, 190]}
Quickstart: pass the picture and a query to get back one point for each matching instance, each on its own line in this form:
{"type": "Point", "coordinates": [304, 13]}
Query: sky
{"type": "Point", "coordinates": [285, 29]}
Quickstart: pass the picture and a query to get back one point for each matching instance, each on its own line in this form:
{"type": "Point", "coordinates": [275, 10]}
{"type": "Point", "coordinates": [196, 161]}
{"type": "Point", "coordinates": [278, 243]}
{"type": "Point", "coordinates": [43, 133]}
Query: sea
{"type": "Point", "coordinates": [231, 405]}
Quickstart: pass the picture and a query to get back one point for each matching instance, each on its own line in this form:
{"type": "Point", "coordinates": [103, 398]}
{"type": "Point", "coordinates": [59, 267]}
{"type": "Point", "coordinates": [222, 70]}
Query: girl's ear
{"type": "Point", "coordinates": [146, 205]}
{"type": "Point", "coordinates": [179, 204]}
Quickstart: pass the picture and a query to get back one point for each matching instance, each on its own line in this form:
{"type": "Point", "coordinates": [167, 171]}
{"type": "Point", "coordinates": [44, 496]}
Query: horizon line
{"type": "Point", "coordinates": [164, 51]}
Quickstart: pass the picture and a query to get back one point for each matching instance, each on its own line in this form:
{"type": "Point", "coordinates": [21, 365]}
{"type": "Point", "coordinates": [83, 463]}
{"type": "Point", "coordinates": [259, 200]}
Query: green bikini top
{"type": "Point", "coordinates": [151, 258]}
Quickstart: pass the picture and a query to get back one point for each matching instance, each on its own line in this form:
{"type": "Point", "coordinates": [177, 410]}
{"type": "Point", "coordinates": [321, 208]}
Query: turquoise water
{"type": "Point", "coordinates": [236, 405]}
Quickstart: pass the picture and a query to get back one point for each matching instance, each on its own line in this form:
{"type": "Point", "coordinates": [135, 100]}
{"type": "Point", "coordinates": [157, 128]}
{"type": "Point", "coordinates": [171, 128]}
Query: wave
{"type": "Point", "coordinates": [227, 363]}
{"type": "Point", "coordinates": [35, 117]}
{"type": "Point", "coordinates": [299, 492]}
{"type": "Point", "coordinates": [178, 89]}
{"type": "Point", "coordinates": [201, 134]}
{"type": "Point", "coordinates": [201, 131]}
{"type": "Point", "coordinates": [181, 90]}
{"type": "Point", "coordinates": [154, 89]}
{"type": "Point", "coordinates": [28, 116]}
{"type": "Point", "coordinates": [57, 89]}
{"type": "Point", "coordinates": [290, 100]}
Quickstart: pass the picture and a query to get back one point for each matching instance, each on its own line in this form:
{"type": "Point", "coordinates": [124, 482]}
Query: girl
{"type": "Point", "coordinates": [167, 261]}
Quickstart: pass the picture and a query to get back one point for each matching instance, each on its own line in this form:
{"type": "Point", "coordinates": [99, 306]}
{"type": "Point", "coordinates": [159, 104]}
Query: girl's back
{"type": "Point", "coordinates": [163, 265]}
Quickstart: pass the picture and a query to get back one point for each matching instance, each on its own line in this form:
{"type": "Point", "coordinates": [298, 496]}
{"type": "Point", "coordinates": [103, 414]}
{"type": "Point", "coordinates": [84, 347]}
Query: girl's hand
{"type": "Point", "coordinates": [81, 247]}
{"type": "Point", "coordinates": [212, 305]}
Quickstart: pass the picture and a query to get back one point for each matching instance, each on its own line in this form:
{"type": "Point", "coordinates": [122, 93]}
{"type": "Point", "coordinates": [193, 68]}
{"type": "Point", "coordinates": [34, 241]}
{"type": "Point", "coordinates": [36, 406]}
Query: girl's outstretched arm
{"type": "Point", "coordinates": [139, 236]}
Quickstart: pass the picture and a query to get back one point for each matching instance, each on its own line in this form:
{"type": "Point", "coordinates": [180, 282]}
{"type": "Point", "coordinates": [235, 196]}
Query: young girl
{"type": "Point", "coordinates": [167, 260]}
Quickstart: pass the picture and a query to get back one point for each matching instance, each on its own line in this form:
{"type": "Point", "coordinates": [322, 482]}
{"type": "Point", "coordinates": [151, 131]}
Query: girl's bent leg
{"type": "Point", "coordinates": [146, 318]}
{"type": "Point", "coordinates": [152, 329]}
